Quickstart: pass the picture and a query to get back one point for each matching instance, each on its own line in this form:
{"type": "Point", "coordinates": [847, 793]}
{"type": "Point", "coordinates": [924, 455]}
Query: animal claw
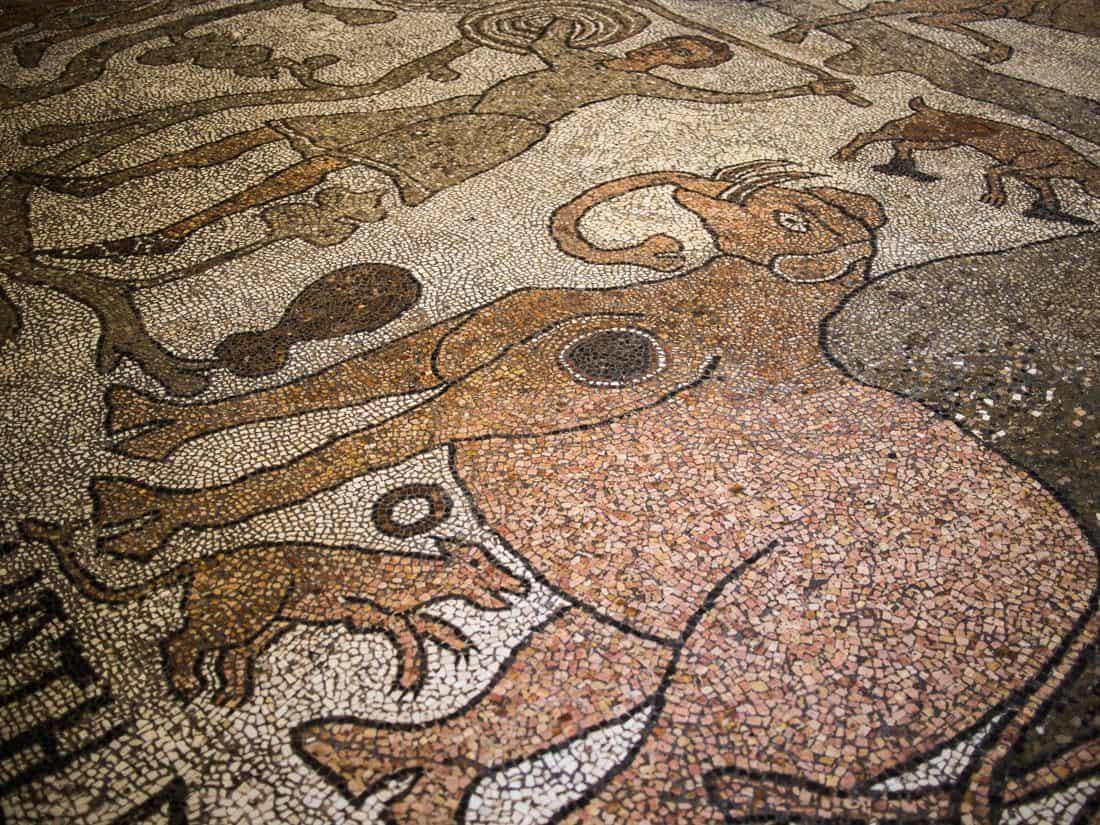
{"type": "Point", "coordinates": [229, 699]}
{"type": "Point", "coordinates": [130, 517]}
{"type": "Point", "coordinates": [795, 34]}
{"type": "Point", "coordinates": [994, 56]}
{"type": "Point", "coordinates": [1044, 213]}
{"type": "Point", "coordinates": [410, 681]}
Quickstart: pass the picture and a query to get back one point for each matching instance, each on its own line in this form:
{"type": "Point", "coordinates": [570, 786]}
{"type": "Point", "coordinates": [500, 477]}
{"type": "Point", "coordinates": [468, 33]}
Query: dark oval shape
{"type": "Point", "coordinates": [613, 357]}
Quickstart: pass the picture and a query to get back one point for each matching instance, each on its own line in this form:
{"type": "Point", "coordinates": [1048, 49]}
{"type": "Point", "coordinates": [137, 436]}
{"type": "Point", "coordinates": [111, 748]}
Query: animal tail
{"type": "Point", "coordinates": [917, 104]}
{"type": "Point", "coordinates": [59, 539]}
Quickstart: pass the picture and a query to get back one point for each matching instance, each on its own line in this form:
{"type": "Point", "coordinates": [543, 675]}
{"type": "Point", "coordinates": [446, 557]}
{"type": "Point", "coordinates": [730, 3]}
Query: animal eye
{"type": "Point", "coordinates": [792, 222]}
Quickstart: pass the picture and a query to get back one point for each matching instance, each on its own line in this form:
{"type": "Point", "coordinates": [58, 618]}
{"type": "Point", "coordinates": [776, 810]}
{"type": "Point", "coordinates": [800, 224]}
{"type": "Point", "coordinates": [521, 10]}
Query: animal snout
{"type": "Point", "coordinates": [817, 267]}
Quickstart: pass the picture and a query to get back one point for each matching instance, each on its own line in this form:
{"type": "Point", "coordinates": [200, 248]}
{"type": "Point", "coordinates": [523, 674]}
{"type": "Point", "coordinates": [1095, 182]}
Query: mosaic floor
{"type": "Point", "coordinates": [528, 411]}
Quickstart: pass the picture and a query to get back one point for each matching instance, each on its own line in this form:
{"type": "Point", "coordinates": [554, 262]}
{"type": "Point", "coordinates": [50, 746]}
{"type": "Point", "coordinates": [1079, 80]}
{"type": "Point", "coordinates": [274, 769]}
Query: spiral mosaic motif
{"type": "Point", "coordinates": [514, 26]}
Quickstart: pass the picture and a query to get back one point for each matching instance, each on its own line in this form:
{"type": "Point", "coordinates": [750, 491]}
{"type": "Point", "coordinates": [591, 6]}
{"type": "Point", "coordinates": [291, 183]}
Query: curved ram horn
{"type": "Point", "coordinates": [732, 173]}
{"type": "Point", "coordinates": [740, 192]}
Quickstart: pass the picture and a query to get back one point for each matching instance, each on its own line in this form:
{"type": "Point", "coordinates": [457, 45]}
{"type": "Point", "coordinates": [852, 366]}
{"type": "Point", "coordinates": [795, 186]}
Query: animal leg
{"type": "Point", "coordinates": [236, 666]}
{"type": "Point", "coordinates": [1048, 198]}
{"type": "Point", "coordinates": [994, 193]}
{"type": "Point", "coordinates": [979, 802]}
{"type": "Point", "coordinates": [290, 181]}
{"type": "Point", "coordinates": [904, 164]}
{"type": "Point", "coordinates": [209, 154]}
{"type": "Point", "coordinates": [365, 617]}
{"type": "Point", "coordinates": [998, 52]}
{"type": "Point", "coordinates": [412, 661]}
{"type": "Point", "coordinates": [575, 673]}
{"type": "Point", "coordinates": [400, 367]}
{"type": "Point", "coordinates": [140, 518]}
{"type": "Point", "coordinates": [857, 144]}
{"type": "Point", "coordinates": [183, 652]}
{"type": "Point", "coordinates": [442, 633]}
{"type": "Point", "coordinates": [884, 8]}
{"type": "Point", "coordinates": [1048, 207]}
{"type": "Point", "coordinates": [467, 359]}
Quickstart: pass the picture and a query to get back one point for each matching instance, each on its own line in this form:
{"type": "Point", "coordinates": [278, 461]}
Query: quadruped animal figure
{"type": "Point", "coordinates": [1034, 159]}
{"type": "Point", "coordinates": [236, 604]}
{"type": "Point", "coordinates": [1078, 16]}
{"type": "Point", "coordinates": [806, 584]}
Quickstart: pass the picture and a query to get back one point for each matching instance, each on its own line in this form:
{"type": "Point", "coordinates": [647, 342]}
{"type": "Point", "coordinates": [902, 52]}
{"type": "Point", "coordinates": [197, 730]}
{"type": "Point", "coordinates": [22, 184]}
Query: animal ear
{"type": "Point", "coordinates": [862, 207]}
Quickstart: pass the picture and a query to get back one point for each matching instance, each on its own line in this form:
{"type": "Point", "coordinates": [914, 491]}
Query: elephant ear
{"type": "Point", "coordinates": [863, 208]}
{"type": "Point", "coordinates": [11, 320]}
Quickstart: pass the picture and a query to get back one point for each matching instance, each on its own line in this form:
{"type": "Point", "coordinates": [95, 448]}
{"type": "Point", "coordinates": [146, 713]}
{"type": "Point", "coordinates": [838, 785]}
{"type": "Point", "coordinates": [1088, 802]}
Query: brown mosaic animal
{"type": "Point", "coordinates": [1030, 157]}
{"type": "Point", "coordinates": [809, 583]}
{"type": "Point", "coordinates": [236, 604]}
{"type": "Point", "coordinates": [1079, 16]}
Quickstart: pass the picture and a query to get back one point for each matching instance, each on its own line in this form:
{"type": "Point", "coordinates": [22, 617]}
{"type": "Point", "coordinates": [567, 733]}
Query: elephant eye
{"type": "Point", "coordinates": [616, 357]}
{"type": "Point", "coordinates": [792, 222]}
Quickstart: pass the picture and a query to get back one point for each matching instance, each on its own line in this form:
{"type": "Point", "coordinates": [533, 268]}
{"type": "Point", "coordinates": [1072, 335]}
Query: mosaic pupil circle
{"type": "Point", "coordinates": [613, 357]}
{"type": "Point", "coordinates": [411, 510]}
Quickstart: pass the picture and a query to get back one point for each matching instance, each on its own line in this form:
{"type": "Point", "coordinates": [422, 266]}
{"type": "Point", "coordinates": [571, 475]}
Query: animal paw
{"type": "Point", "coordinates": [795, 34]}
{"type": "Point", "coordinates": [130, 516]}
{"type": "Point", "coordinates": [410, 679]}
{"type": "Point", "coordinates": [995, 55]}
{"type": "Point", "coordinates": [231, 697]}
{"type": "Point", "coordinates": [993, 198]}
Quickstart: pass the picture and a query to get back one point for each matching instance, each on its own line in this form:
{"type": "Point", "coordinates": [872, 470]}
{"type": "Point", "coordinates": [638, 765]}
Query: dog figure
{"type": "Point", "coordinates": [236, 604]}
{"type": "Point", "coordinates": [1031, 157]}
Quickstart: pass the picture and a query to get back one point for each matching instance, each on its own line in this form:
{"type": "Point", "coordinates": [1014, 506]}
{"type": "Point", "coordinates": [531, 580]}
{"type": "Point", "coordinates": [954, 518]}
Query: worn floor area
{"type": "Point", "coordinates": [526, 411]}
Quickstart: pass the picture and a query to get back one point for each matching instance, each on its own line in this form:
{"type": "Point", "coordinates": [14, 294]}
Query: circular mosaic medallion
{"type": "Point", "coordinates": [411, 510]}
{"type": "Point", "coordinates": [514, 26]}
